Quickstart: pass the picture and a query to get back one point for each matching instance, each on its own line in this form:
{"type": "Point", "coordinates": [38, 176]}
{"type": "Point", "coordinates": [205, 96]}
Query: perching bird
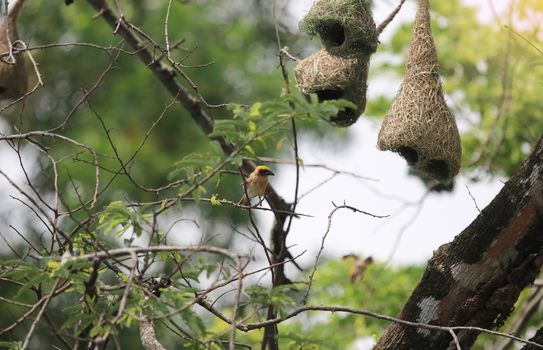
{"type": "Point", "coordinates": [13, 75]}
{"type": "Point", "coordinates": [255, 185]}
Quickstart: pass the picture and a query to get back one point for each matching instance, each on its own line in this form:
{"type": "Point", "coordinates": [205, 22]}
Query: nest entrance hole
{"type": "Point", "coordinates": [345, 117]}
{"type": "Point", "coordinates": [438, 168]}
{"type": "Point", "coordinates": [409, 154]}
{"type": "Point", "coordinates": [333, 34]}
{"type": "Point", "coordinates": [326, 95]}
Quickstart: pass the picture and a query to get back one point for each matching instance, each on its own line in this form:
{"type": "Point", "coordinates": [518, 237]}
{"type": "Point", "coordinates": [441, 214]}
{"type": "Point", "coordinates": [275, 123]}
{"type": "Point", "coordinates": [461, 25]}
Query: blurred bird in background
{"type": "Point", "coordinates": [357, 266]}
{"type": "Point", "coordinates": [255, 185]}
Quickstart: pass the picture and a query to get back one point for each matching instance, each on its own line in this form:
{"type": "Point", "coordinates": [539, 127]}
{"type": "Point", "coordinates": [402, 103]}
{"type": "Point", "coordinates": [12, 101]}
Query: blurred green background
{"type": "Point", "coordinates": [492, 75]}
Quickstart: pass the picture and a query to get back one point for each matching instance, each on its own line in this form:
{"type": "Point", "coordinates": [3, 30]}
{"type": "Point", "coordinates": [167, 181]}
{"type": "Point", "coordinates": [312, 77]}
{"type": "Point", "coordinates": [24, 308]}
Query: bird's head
{"type": "Point", "coordinates": [263, 170]}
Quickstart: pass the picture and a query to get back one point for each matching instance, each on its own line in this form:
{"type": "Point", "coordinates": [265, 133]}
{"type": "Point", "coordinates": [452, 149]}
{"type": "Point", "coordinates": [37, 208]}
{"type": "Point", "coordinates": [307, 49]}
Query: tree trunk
{"type": "Point", "coordinates": [476, 279]}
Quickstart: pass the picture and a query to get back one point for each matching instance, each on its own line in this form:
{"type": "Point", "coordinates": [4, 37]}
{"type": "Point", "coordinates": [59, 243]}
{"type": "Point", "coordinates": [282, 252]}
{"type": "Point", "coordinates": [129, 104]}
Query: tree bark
{"type": "Point", "coordinates": [476, 279]}
{"type": "Point", "coordinates": [538, 338]}
{"type": "Point", "coordinates": [148, 335]}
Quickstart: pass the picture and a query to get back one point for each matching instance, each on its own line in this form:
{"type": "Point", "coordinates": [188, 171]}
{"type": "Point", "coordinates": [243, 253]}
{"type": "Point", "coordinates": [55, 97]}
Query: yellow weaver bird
{"type": "Point", "coordinates": [255, 185]}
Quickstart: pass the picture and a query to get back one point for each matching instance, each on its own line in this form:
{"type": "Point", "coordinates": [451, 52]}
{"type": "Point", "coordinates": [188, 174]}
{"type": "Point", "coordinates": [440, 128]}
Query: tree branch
{"type": "Point", "coordinates": [193, 105]}
{"type": "Point", "coordinates": [476, 279]}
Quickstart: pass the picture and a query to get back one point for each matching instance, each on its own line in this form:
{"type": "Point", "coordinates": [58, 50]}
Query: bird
{"type": "Point", "coordinates": [255, 185]}
{"type": "Point", "coordinates": [357, 266]}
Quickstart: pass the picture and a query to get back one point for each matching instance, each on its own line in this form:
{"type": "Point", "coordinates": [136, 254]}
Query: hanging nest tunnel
{"type": "Point", "coordinates": [331, 78]}
{"type": "Point", "coordinates": [340, 70]}
{"type": "Point", "coordinates": [419, 126]}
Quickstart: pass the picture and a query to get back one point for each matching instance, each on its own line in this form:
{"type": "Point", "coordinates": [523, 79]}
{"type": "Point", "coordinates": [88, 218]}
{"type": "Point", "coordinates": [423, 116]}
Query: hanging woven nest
{"type": "Point", "coordinates": [13, 73]}
{"type": "Point", "coordinates": [419, 125]}
{"type": "Point", "coordinates": [333, 77]}
{"type": "Point", "coordinates": [345, 27]}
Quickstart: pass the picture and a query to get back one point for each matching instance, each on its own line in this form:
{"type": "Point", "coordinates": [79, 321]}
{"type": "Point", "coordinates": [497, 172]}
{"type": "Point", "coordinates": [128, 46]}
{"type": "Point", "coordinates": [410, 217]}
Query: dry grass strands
{"type": "Point", "coordinates": [419, 125]}
{"type": "Point", "coordinates": [13, 73]}
{"type": "Point", "coordinates": [331, 78]}
{"type": "Point", "coordinates": [346, 27]}
{"type": "Point", "coordinates": [349, 34]}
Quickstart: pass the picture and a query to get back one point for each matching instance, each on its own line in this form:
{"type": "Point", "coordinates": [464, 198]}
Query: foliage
{"type": "Point", "coordinates": [383, 290]}
{"type": "Point", "coordinates": [93, 288]}
{"type": "Point", "coordinates": [117, 160]}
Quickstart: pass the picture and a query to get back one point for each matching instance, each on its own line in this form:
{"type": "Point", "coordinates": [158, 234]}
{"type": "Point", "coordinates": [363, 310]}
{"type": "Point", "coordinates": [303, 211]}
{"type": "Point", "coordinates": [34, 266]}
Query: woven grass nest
{"type": "Point", "coordinates": [13, 73]}
{"type": "Point", "coordinates": [345, 27]}
{"type": "Point", "coordinates": [419, 125]}
{"type": "Point", "coordinates": [333, 77]}
{"type": "Point", "coordinates": [349, 35]}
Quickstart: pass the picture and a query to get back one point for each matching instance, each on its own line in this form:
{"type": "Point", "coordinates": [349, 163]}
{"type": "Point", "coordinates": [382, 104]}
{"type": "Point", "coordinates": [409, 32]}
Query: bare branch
{"type": "Point", "coordinates": [390, 17]}
{"type": "Point", "coordinates": [40, 314]}
{"type": "Point", "coordinates": [321, 249]}
{"type": "Point", "coordinates": [193, 105]}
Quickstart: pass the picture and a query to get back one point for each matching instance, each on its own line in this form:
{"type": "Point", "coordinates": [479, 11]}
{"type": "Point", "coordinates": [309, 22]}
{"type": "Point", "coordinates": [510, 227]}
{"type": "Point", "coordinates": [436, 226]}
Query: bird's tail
{"type": "Point", "coordinates": [245, 201]}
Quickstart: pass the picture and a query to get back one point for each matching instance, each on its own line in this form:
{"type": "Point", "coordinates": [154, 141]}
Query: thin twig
{"type": "Point", "coordinates": [524, 38]}
{"type": "Point", "coordinates": [44, 302]}
{"type": "Point", "coordinates": [153, 249]}
{"type": "Point", "coordinates": [319, 166]}
{"type": "Point", "coordinates": [349, 310]}
{"type": "Point", "coordinates": [406, 225]}
{"type": "Point", "coordinates": [166, 38]}
{"type": "Point", "coordinates": [193, 105]}
{"type": "Point", "coordinates": [321, 249]}
{"type": "Point", "coordinates": [232, 343]}
{"type": "Point", "coordinates": [522, 318]}
{"type": "Point", "coordinates": [473, 198]}
{"type": "Point", "coordinates": [455, 339]}
{"type": "Point", "coordinates": [32, 60]}
{"type": "Point", "coordinates": [40, 314]}
{"type": "Point", "coordinates": [389, 19]}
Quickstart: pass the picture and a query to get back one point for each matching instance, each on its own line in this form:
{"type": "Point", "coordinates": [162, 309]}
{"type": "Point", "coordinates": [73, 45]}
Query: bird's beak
{"type": "Point", "coordinates": [271, 173]}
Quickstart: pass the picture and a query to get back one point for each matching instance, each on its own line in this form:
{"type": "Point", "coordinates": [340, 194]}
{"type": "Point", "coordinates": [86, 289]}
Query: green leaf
{"type": "Point", "coordinates": [11, 345]}
{"type": "Point", "coordinates": [189, 165]}
{"type": "Point", "coordinates": [194, 322]}
{"type": "Point", "coordinates": [237, 160]}
{"type": "Point", "coordinates": [340, 104]}
{"type": "Point", "coordinates": [255, 110]}
{"type": "Point", "coordinates": [78, 319]}
{"type": "Point", "coordinates": [250, 150]}
{"type": "Point", "coordinates": [279, 144]}
{"type": "Point", "coordinates": [197, 194]}
{"type": "Point", "coordinates": [227, 128]}
{"type": "Point", "coordinates": [53, 264]}
{"type": "Point", "coordinates": [215, 200]}
{"type": "Point", "coordinates": [114, 215]}
{"type": "Point", "coordinates": [251, 127]}
{"type": "Point", "coordinates": [25, 270]}
{"type": "Point", "coordinates": [234, 107]}
{"type": "Point", "coordinates": [258, 294]}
